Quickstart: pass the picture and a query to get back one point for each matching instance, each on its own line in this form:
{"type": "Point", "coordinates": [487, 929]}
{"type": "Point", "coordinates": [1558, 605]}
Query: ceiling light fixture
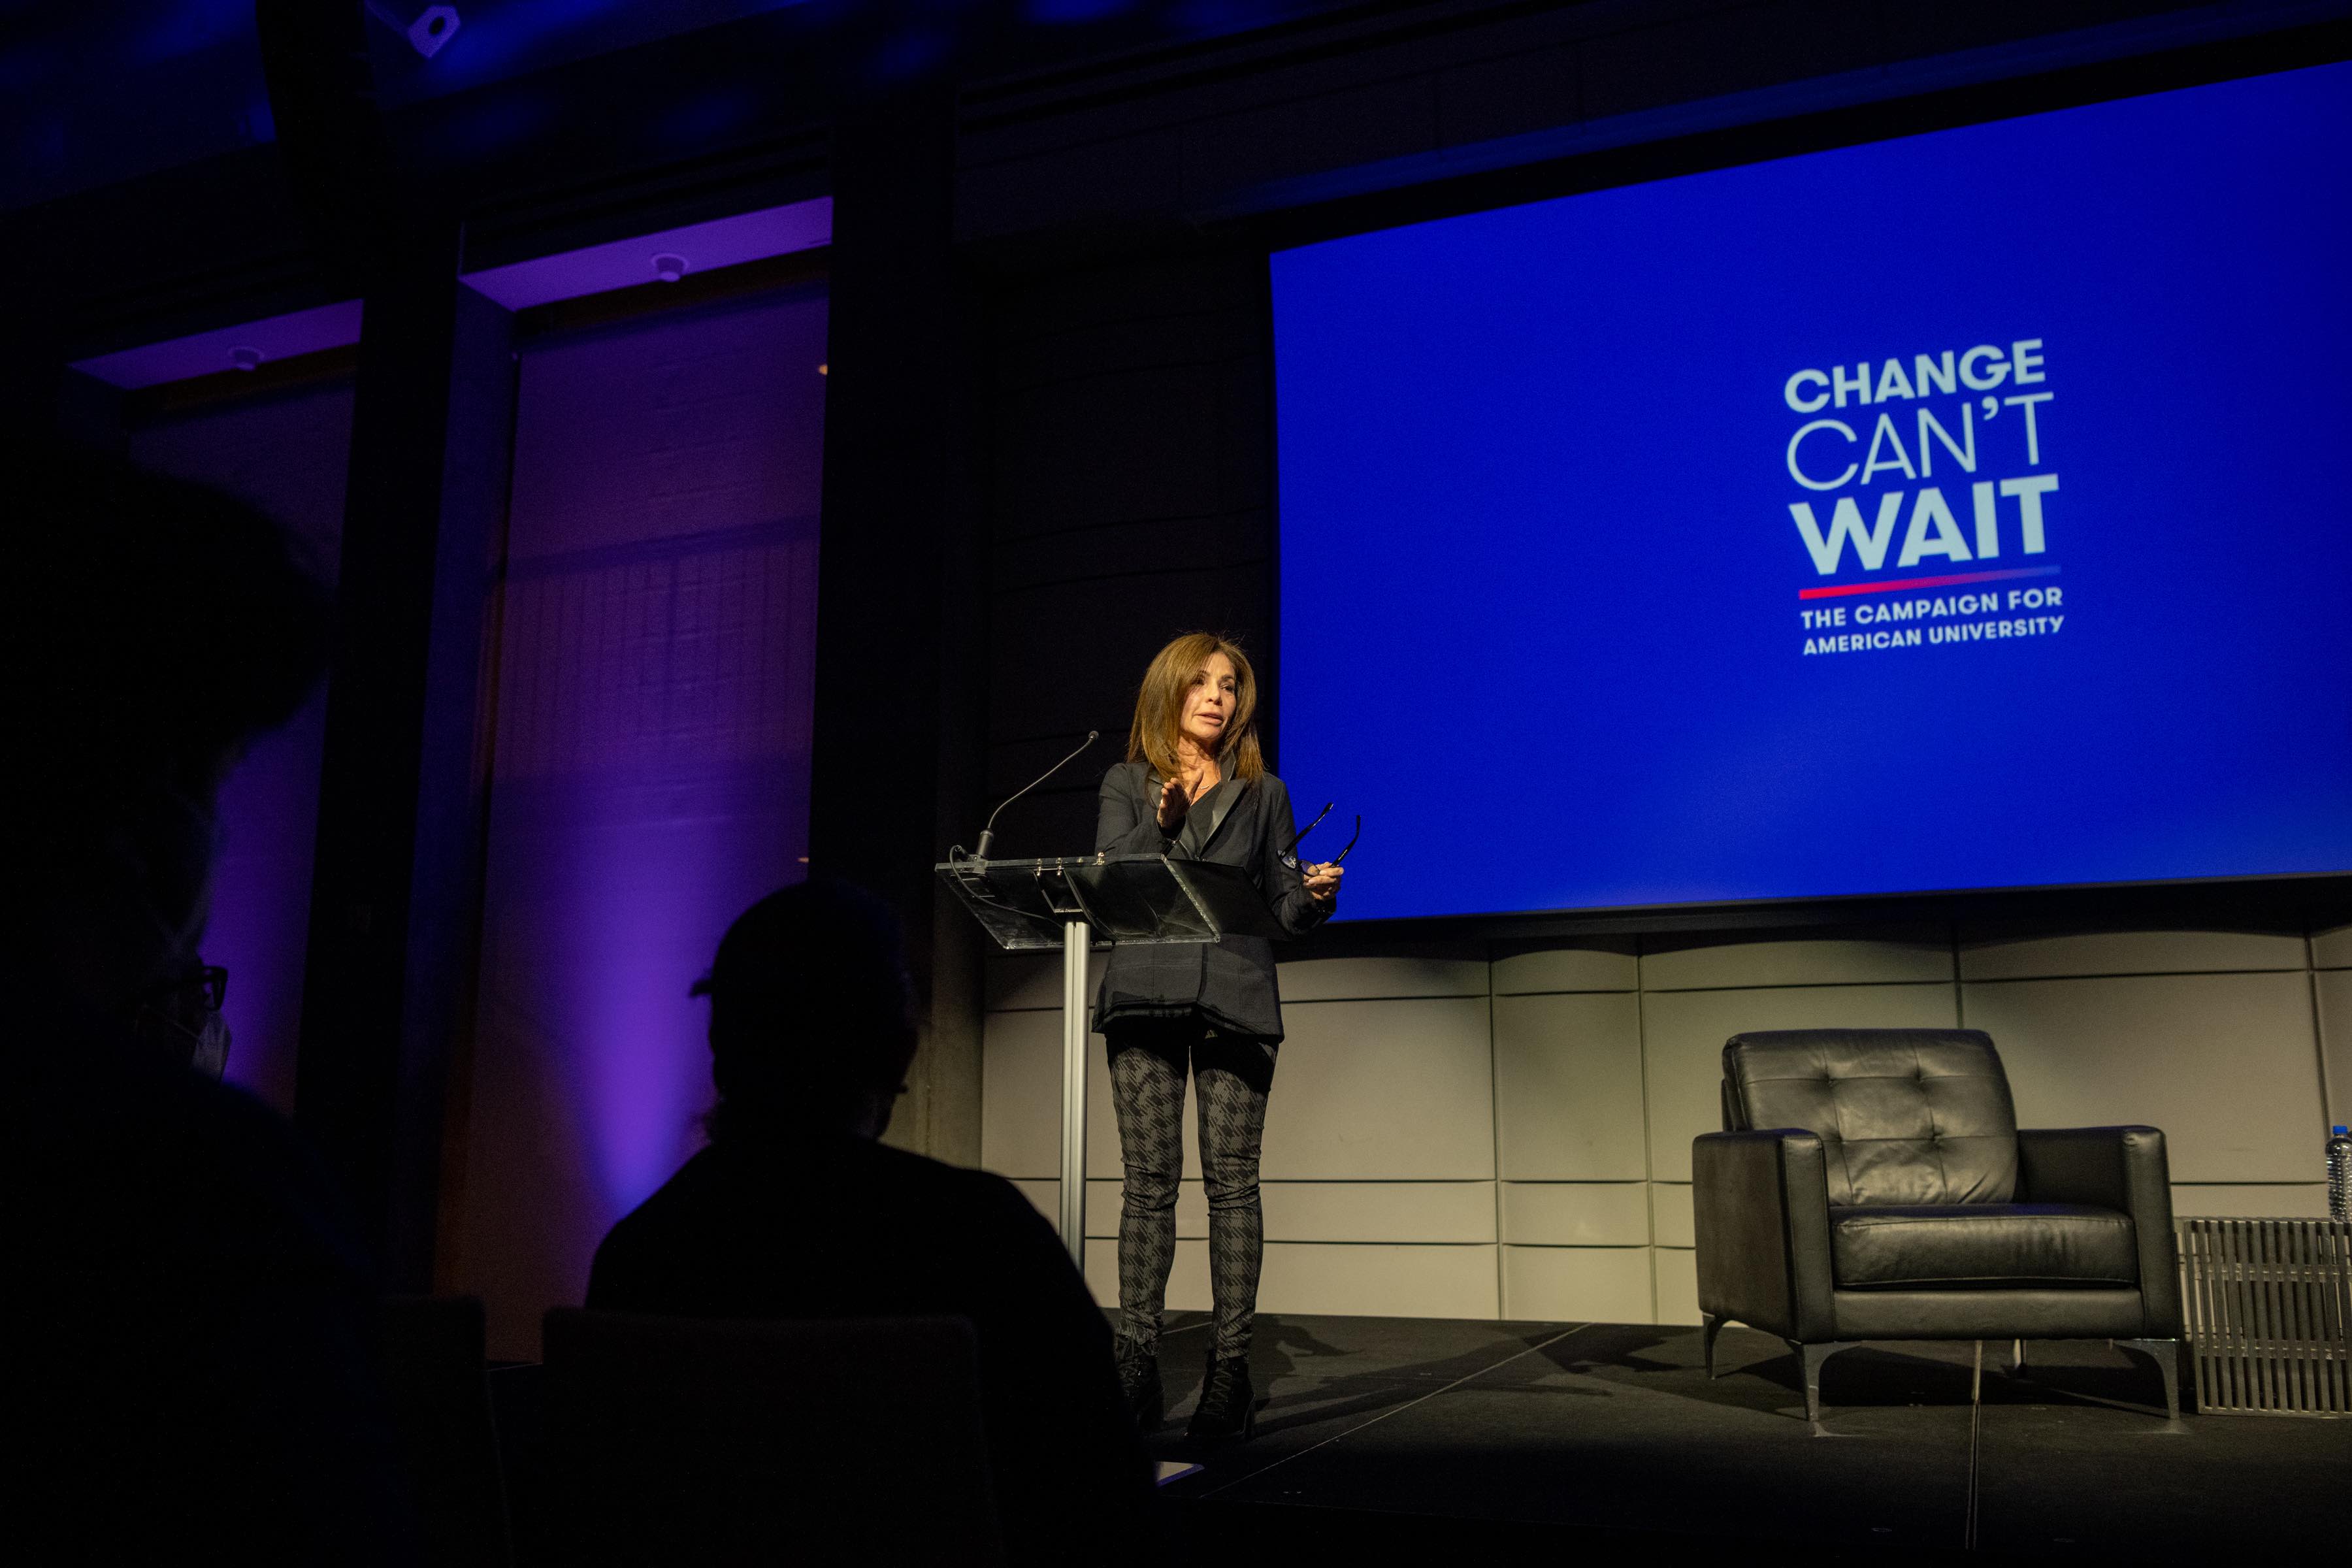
{"type": "Point", "coordinates": [427, 31]}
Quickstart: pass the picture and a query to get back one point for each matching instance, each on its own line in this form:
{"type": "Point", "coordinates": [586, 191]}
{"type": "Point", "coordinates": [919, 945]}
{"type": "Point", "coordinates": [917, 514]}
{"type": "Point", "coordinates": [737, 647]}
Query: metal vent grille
{"type": "Point", "coordinates": [2269, 1303]}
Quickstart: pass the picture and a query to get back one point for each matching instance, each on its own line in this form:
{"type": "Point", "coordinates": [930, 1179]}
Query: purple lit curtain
{"type": "Point", "coordinates": [653, 685]}
{"type": "Point", "coordinates": [285, 452]}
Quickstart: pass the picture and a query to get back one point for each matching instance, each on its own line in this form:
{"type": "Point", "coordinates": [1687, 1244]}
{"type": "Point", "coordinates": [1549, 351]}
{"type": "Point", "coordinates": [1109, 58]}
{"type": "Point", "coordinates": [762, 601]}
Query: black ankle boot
{"type": "Point", "coordinates": [1228, 1406]}
{"type": "Point", "coordinates": [1138, 1383]}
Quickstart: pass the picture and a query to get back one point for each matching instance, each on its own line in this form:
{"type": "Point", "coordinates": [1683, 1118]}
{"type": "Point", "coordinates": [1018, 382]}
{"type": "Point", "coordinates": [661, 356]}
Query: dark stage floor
{"type": "Point", "coordinates": [1429, 1435]}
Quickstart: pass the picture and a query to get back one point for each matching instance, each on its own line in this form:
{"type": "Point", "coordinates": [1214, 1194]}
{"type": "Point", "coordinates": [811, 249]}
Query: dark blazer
{"type": "Point", "coordinates": [1230, 983]}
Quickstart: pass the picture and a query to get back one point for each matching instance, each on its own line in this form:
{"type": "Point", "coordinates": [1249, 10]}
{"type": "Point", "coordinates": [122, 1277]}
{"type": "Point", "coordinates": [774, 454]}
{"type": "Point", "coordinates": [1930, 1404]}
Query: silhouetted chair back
{"type": "Point", "coordinates": [692, 1440]}
{"type": "Point", "coordinates": [438, 1389]}
{"type": "Point", "coordinates": [1874, 1184]}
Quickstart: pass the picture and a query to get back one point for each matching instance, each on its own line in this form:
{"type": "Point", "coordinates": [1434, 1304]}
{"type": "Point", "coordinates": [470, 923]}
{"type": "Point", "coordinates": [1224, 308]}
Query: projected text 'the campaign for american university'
{"type": "Point", "coordinates": [1939, 399]}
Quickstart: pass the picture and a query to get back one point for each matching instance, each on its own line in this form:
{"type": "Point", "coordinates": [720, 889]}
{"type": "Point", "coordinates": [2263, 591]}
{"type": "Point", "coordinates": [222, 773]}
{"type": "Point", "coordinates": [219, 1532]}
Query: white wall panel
{"type": "Point", "coordinates": [1889, 958]}
{"type": "Point", "coordinates": [1577, 1284]}
{"type": "Point", "coordinates": [2334, 995]}
{"type": "Point", "coordinates": [1453, 970]}
{"type": "Point", "coordinates": [1677, 1273]}
{"type": "Point", "coordinates": [1671, 1221]}
{"type": "Point", "coordinates": [1567, 1086]}
{"type": "Point", "coordinates": [1399, 1090]}
{"type": "Point", "coordinates": [2285, 1200]}
{"type": "Point", "coordinates": [1580, 964]}
{"type": "Point", "coordinates": [1021, 1095]}
{"type": "Point", "coordinates": [1684, 1032]}
{"type": "Point", "coordinates": [1992, 956]}
{"type": "Point", "coordinates": [1376, 1281]}
{"type": "Point", "coordinates": [1576, 1213]}
{"type": "Point", "coordinates": [1380, 1211]}
{"type": "Point", "coordinates": [2225, 1063]}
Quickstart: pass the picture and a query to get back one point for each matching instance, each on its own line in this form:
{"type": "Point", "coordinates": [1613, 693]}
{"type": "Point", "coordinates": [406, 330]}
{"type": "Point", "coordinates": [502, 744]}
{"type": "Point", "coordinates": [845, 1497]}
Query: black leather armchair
{"type": "Point", "coordinates": [1872, 1185]}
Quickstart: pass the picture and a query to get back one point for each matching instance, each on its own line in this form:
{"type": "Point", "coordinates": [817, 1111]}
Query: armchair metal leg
{"type": "Point", "coordinates": [2165, 1353]}
{"type": "Point", "coordinates": [1710, 1326]}
{"type": "Point", "coordinates": [1811, 1358]}
{"type": "Point", "coordinates": [2017, 1358]}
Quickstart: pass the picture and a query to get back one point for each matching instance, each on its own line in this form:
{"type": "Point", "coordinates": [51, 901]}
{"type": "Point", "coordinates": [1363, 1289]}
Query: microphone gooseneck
{"type": "Point", "coordinates": [980, 851]}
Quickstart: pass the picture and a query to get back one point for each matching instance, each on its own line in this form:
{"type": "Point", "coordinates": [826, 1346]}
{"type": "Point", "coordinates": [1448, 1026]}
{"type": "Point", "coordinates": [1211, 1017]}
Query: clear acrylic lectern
{"type": "Point", "coordinates": [1071, 903]}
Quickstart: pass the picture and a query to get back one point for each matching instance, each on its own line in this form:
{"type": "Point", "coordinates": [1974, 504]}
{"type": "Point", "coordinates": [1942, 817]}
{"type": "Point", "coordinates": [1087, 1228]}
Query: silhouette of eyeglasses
{"type": "Point", "coordinates": [1291, 853]}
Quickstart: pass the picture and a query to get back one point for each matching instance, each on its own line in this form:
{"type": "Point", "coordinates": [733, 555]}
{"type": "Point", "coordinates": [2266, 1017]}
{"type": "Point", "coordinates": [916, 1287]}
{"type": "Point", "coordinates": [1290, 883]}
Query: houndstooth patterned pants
{"type": "Point", "coordinates": [1147, 1060]}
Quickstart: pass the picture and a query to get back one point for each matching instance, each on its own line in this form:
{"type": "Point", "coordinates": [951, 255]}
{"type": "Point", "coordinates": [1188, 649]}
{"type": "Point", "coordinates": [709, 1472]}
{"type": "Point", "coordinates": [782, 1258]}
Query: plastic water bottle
{"type": "Point", "coordinates": [2339, 1175]}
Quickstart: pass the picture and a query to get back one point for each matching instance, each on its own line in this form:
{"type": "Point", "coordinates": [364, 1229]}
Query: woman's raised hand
{"type": "Point", "coordinates": [1174, 803]}
{"type": "Point", "coordinates": [1323, 881]}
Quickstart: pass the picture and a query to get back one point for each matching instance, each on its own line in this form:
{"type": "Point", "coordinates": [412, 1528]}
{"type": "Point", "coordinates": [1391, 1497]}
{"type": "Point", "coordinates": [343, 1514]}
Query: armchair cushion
{"type": "Point", "coordinates": [1974, 1246]}
{"type": "Point", "coordinates": [1904, 1116]}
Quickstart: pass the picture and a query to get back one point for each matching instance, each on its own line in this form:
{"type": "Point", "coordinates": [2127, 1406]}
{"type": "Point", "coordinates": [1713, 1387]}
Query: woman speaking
{"type": "Point", "coordinates": [1195, 786]}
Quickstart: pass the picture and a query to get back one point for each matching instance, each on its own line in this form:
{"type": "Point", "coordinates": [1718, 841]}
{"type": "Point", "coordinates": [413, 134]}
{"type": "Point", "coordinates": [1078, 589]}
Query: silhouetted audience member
{"type": "Point", "coordinates": [187, 1325]}
{"type": "Point", "coordinates": [795, 1211]}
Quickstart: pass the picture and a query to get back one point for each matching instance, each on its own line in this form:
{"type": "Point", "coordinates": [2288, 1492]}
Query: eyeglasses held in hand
{"type": "Point", "coordinates": [1291, 853]}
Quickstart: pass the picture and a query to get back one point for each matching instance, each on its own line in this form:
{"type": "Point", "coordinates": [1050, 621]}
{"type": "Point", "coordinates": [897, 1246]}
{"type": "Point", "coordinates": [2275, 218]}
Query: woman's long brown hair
{"type": "Point", "coordinates": [1159, 707]}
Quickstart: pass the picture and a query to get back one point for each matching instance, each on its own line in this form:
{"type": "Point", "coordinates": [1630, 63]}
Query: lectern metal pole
{"type": "Point", "coordinates": [1075, 935]}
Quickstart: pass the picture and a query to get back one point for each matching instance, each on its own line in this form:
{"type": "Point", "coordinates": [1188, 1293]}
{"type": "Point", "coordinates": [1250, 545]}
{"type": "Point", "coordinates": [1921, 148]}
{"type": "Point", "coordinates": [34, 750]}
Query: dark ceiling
{"type": "Point", "coordinates": [93, 95]}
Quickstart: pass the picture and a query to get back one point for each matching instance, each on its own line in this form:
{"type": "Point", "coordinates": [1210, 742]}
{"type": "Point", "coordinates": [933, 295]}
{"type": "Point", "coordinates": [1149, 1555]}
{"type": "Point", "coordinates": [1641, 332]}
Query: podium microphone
{"type": "Point", "coordinates": [988, 832]}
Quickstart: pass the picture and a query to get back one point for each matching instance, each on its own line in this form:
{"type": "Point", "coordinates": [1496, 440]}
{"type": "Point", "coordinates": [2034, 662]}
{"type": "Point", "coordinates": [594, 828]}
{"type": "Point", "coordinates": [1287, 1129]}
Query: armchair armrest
{"type": "Point", "coordinates": [2121, 1168]}
{"type": "Point", "coordinates": [1761, 1205]}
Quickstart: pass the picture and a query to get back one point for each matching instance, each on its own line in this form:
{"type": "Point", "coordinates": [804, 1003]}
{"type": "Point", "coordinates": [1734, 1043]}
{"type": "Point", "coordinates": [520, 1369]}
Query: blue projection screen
{"type": "Point", "coordinates": [1967, 510]}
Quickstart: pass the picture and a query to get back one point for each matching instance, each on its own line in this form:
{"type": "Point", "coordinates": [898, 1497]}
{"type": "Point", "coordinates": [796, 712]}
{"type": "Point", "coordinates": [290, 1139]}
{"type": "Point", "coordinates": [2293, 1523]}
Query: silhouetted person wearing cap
{"type": "Point", "coordinates": [795, 1211]}
{"type": "Point", "coordinates": [188, 1328]}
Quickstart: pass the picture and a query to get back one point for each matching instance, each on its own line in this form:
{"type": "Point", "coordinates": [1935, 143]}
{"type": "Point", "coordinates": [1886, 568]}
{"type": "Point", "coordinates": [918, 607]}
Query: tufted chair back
{"type": "Point", "coordinates": [1904, 1116]}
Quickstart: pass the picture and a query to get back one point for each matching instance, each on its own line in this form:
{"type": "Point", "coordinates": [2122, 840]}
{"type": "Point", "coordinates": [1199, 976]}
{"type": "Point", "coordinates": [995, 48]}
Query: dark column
{"type": "Point", "coordinates": [39, 393]}
{"type": "Point", "coordinates": [396, 893]}
{"type": "Point", "coordinates": [90, 412]}
{"type": "Point", "coordinates": [897, 743]}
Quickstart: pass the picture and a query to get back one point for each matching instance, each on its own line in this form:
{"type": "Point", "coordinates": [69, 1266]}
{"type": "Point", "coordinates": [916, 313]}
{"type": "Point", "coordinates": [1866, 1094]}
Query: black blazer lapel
{"type": "Point", "coordinates": [1223, 815]}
